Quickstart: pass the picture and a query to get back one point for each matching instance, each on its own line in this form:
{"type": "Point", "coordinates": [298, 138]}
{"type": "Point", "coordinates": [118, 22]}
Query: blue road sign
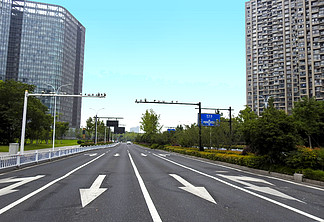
{"type": "Point", "coordinates": [209, 119]}
{"type": "Point", "coordinates": [170, 130]}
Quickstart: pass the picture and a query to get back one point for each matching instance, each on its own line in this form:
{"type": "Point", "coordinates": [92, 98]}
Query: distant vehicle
{"type": "Point", "coordinates": [129, 142]}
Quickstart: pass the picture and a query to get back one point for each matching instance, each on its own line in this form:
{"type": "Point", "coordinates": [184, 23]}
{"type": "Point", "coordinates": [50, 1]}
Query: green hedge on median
{"type": "Point", "coordinates": [261, 162]}
{"type": "Point", "coordinates": [234, 157]}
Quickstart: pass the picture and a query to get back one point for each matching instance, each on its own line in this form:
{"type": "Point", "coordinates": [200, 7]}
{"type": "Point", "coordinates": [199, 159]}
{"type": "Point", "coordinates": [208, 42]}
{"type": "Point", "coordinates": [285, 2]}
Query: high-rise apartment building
{"type": "Point", "coordinates": [284, 52]}
{"type": "Point", "coordinates": [43, 45]}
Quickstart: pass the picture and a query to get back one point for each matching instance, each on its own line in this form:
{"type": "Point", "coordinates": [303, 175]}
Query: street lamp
{"type": "Point", "coordinates": [96, 123]}
{"type": "Point", "coordinates": [54, 113]}
{"type": "Point", "coordinates": [266, 100]}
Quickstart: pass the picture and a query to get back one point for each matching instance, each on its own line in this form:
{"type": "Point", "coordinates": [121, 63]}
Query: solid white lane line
{"type": "Point", "coordinates": [8, 207]}
{"type": "Point", "coordinates": [245, 190]}
{"type": "Point", "coordinates": [154, 214]}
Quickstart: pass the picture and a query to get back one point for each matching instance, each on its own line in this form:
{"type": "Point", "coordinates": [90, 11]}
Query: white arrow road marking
{"type": "Point", "coordinates": [19, 182]}
{"type": "Point", "coordinates": [88, 195]}
{"type": "Point", "coordinates": [142, 154]}
{"type": "Point", "coordinates": [245, 190]}
{"type": "Point", "coordinates": [198, 191]}
{"type": "Point", "coordinates": [8, 207]}
{"type": "Point", "coordinates": [267, 190]}
{"type": "Point", "coordinates": [117, 154]}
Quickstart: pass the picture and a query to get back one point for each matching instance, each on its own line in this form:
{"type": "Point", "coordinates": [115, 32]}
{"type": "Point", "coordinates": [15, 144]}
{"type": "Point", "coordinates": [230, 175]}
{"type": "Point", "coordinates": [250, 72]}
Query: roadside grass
{"type": "Point", "coordinates": [58, 143]}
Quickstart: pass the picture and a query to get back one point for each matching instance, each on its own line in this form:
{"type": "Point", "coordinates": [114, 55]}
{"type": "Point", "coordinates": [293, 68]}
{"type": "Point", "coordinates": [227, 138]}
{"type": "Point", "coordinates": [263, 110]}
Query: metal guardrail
{"type": "Point", "coordinates": [17, 160]}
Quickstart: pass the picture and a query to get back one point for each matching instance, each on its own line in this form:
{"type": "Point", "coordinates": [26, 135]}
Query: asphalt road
{"type": "Point", "coordinates": [132, 183]}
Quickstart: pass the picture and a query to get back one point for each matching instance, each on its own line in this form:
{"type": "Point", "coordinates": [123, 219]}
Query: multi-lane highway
{"type": "Point", "coordinates": [132, 183]}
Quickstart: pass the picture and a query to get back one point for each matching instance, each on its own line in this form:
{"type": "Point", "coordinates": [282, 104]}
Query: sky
{"type": "Point", "coordinates": [171, 50]}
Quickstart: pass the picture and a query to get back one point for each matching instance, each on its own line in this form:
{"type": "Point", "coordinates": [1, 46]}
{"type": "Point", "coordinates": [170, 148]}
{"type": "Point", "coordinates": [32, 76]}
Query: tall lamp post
{"type": "Point", "coordinates": [54, 113]}
{"type": "Point", "coordinates": [96, 122]}
{"type": "Point", "coordinates": [266, 100]}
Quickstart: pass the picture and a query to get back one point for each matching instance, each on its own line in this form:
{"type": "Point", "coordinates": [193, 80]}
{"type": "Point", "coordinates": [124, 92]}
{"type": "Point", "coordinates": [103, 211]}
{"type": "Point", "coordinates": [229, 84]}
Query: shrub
{"type": "Point", "coordinates": [282, 169]}
{"type": "Point", "coordinates": [161, 147]}
{"type": "Point", "coordinates": [314, 174]}
{"type": "Point", "coordinates": [154, 146]}
{"type": "Point", "coordinates": [306, 158]}
{"type": "Point", "coordinates": [80, 141]}
{"type": "Point", "coordinates": [261, 162]}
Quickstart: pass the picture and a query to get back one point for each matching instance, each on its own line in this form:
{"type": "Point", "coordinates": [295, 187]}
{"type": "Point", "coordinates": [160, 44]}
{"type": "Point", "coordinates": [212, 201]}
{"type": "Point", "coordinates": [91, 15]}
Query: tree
{"type": "Point", "coordinates": [90, 127]}
{"type": "Point", "coordinates": [11, 111]}
{"type": "Point", "coordinates": [189, 136]}
{"type": "Point", "coordinates": [61, 129]}
{"type": "Point", "coordinates": [273, 134]}
{"type": "Point", "coordinates": [246, 119]}
{"type": "Point", "coordinates": [309, 116]}
{"type": "Point", "coordinates": [150, 125]}
{"type": "Point", "coordinates": [39, 125]}
{"type": "Point", "coordinates": [101, 130]}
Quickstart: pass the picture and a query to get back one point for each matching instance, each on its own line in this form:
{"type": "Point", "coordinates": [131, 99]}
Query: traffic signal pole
{"type": "Point", "coordinates": [201, 148]}
{"type": "Point", "coordinates": [23, 125]}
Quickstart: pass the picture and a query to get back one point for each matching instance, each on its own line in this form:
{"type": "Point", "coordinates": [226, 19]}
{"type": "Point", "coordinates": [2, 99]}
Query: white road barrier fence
{"type": "Point", "coordinates": [17, 160]}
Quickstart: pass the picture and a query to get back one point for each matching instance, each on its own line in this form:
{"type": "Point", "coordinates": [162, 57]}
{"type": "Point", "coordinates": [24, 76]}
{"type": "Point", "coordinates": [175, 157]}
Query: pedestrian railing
{"type": "Point", "coordinates": [17, 160]}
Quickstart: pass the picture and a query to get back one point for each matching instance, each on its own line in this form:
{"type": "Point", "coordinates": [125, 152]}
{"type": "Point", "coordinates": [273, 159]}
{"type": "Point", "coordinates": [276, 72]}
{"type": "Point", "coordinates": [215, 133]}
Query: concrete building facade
{"type": "Point", "coordinates": [284, 52]}
{"type": "Point", "coordinates": [43, 45]}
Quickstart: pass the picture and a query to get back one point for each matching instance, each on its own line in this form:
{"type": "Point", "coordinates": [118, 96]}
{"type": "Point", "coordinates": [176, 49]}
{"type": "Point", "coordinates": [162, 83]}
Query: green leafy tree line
{"type": "Point", "coordinates": [90, 129]}
{"type": "Point", "coordinates": [38, 121]}
{"type": "Point", "coordinates": [272, 134]}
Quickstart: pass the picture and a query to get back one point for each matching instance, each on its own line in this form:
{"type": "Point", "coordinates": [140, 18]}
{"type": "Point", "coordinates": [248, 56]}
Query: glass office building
{"type": "Point", "coordinates": [43, 45]}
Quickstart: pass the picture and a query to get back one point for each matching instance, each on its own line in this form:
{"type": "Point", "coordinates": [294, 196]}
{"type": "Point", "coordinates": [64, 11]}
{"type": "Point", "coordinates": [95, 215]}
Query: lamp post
{"type": "Point", "coordinates": [266, 100]}
{"type": "Point", "coordinates": [96, 123]}
{"type": "Point", "coordinates": [54, 113]}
